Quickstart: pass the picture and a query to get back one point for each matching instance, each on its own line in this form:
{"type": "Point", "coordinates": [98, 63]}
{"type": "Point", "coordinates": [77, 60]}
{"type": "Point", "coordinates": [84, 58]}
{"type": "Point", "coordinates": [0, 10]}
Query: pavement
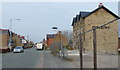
{"type": "Point", "coordinates": [103, 60]}
{"type": "Point", "coordinates": [0, 61]}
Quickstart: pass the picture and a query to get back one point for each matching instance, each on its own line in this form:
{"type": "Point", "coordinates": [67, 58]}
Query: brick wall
{"type": "Point", "coordinates": [17, 40]}
{"type": "Point", "coordinates": [4, 41]}
{"type": "Point", "coordinates": [60, 38]}
{"type": "Point", "coordinates": [49, 41]}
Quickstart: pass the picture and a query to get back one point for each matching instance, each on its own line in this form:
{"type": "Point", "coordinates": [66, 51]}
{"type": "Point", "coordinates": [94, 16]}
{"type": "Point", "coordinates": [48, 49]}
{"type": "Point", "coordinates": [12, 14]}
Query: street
{"type": "Point", "coordinates": [32, 58]}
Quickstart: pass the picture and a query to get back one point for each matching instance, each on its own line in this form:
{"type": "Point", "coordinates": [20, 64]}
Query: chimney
{"type": "Point", "coordinates": [100, 5]}
{"type": "Point", "coordinates": [60, 32]}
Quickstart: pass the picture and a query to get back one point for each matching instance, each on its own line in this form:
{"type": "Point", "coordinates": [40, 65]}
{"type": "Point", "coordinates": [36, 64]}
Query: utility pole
{"type": "Point", "coordinates": [80, 53]}
{"type": "Point", "coordinates": [54, 45]}
{"type": "Point", "coordinates": [95, 49]}
{"type": "Point", "coordinates": [62, 49]}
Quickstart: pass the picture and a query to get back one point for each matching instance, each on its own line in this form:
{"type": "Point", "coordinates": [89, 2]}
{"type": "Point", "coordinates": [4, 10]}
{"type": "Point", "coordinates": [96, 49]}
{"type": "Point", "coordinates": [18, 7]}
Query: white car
{"type": "Point", "coordinates": [18, 49]}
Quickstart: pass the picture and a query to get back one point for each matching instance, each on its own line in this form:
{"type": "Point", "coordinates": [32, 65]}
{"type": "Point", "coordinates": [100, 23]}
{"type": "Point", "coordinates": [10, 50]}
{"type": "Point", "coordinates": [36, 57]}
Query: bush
{"type": "Point", "coordinates": [69, 48]}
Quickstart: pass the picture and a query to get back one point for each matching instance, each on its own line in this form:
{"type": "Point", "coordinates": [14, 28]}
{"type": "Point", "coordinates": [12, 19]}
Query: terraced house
{"type": "Point", "coordinates": [107, 36]}
{"type": "Point", "coordinates": [17, 40]}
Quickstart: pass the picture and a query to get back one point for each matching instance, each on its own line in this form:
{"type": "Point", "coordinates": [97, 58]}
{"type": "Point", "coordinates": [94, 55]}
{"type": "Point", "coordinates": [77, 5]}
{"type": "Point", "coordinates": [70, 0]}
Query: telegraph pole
{"type": "Point", "coordinates": [80, 48]}
{"type": "Point", "coordinates": [95, 48]}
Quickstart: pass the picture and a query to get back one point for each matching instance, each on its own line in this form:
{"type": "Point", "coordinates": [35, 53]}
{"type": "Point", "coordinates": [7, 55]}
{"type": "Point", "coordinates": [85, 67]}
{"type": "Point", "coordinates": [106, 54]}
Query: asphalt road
{"type": "Point", "coordinates": [31, 58]}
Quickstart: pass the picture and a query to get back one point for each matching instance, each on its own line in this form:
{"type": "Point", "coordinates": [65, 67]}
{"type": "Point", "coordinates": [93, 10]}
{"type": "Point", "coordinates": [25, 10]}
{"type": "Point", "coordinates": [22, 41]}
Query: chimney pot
{"type": "Point", "coordinates": [100, 5]}
{"type": "Point", "coordinates": [60, 32]}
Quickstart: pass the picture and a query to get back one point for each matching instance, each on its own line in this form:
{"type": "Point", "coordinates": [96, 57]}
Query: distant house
{"type": "Point", "coordinates": [16, 40]}
{"type": "Point", "coordinates": [60, 38]}
{"type": "Point", "coordinates": [107, 36]}
{"type": "Point", "coordinates": [19, 40]}
{"type": "Point", "coordinates": [49, 38]}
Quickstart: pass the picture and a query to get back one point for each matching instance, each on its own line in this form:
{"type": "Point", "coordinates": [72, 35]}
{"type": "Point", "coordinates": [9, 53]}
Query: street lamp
{"type": "Point", "coordinates": [61, 47]}
{"type": "Point", "coordinates": [55, 29]}
{"type": "Point", "coordinates": [10, 29]}
{"type": "Point", "coordinates": [11, 23]}
{"type": "Point", "coordinates": [53, 49]}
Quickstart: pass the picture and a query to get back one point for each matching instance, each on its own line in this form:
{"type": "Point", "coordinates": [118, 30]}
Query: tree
{"type": "Point", "coordinates": [69, 35]}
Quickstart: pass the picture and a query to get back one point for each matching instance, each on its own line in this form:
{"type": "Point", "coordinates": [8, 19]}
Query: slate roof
{"type": "Point", "coordinates": [81, 15]}
{"type": "Point", "coordinates": [84, 14]}
{"type": "Point", "coordinates": [50, 35]}
{"type": "Point", "coordinates": [73, 20]}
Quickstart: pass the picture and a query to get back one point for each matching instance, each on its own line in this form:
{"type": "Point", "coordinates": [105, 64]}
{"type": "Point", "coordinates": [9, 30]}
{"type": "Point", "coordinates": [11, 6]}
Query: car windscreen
{"type": "Point", "coordinates": [18, 48]}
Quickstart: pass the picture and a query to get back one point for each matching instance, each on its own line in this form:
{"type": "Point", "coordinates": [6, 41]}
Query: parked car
{"type": "Point", "coordinates": [18, 49]}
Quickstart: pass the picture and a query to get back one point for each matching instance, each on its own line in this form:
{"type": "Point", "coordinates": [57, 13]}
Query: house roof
{"type": "Point", "coordinates": [50, 35]}
{"type": "Point", "coordinates": [104, 9]}
{"type": "Point", "coordinates": [4, 29]}
{"type": "Point", "coordinates": [81, 15]}
{"type": "Point", "coordinates": [73, 20]}
{"type": "Point", "coordinates": [86, 14]}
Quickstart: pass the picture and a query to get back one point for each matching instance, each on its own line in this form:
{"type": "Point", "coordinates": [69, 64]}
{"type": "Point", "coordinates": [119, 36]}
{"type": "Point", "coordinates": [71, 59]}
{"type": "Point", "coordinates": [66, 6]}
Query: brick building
{"type": "Point", "coordinates": [59, 37]}
{"type": "Point", "coordinates": [4, 38]}
{"type": "Point", "coordinates": [107, 36]}
{"type": "Point", "coordinates": [17, 40]}
{"type": "Point", "coordinates": [49, 38]}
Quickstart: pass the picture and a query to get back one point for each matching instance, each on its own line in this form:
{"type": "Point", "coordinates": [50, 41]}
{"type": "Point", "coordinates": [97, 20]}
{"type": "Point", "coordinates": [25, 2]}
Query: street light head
{"type": "Point", "coordinates": [54, 27]}
{"type": "Point", "coordinates": [14, 19]}
{"type": "Point", "coordinates": [17, 19]}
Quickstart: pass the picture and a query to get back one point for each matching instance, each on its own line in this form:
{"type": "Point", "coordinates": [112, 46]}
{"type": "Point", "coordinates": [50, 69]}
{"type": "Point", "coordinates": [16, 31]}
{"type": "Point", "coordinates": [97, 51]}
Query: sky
{"type": "Point", "coordinates": [38, 18]}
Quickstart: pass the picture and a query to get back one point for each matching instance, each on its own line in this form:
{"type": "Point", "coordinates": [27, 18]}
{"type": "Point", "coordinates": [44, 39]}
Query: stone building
{"type": "Point", "coordinates": [107, 36]}
{"type": "Point", "coordinates": [78, 21]}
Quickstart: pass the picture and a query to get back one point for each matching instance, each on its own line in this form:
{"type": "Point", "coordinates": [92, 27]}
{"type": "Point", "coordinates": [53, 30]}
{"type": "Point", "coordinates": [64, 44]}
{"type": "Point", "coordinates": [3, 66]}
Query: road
{"type": "Point", "coordinates": [31, 58]}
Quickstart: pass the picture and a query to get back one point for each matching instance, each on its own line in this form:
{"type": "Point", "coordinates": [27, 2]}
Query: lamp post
{"type": "Point", "coordinates": [10, 29]}
{"type": "Point", "coordinates": [54, 49]}
{"type": "Point", "coordinates": [61, 47]}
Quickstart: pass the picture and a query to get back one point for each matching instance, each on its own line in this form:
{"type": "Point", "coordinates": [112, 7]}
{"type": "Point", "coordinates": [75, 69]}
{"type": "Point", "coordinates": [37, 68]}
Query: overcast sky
{"type": "Point", "coordinates": [38, 18]}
